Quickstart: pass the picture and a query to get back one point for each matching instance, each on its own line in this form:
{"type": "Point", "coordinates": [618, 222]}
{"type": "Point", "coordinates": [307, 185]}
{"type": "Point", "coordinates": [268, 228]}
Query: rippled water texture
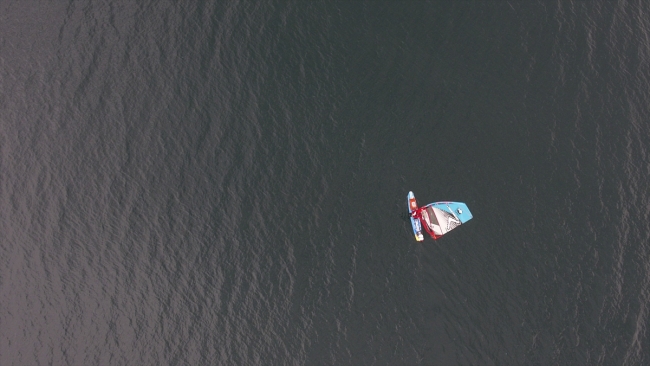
{"type": "Point", "coordinates": [225, 183]}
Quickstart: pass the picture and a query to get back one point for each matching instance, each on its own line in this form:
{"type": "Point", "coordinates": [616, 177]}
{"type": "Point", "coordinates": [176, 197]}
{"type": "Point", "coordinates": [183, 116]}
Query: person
{"type": "Point", "coordinates": [416, 214]}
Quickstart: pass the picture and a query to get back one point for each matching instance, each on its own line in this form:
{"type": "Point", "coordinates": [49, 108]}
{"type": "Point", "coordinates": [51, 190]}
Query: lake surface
{"type": "Point", "coordinates": [201, 182]}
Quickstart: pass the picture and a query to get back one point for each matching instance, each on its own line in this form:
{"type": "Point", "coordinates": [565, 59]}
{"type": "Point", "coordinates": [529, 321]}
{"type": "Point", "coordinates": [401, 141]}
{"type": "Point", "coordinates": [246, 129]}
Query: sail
{"type": "Point", "coordinates": [439, 218]}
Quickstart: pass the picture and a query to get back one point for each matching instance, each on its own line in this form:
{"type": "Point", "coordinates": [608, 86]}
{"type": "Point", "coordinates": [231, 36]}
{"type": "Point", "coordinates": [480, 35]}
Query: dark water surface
{"type": "Point", "coordinates": [203, 182]}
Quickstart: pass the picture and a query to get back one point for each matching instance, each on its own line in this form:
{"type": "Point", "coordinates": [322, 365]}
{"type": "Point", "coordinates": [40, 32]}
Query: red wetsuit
{"type": "Point", "coordinates": [417, 213]}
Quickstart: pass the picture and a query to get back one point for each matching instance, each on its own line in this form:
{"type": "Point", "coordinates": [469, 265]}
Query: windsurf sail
{"type": "Point", "coordinates": [439, 218]}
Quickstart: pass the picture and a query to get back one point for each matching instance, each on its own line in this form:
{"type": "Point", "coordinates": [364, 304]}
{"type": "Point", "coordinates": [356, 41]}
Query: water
{"type": "Point", "coordinates": [225, 183]}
